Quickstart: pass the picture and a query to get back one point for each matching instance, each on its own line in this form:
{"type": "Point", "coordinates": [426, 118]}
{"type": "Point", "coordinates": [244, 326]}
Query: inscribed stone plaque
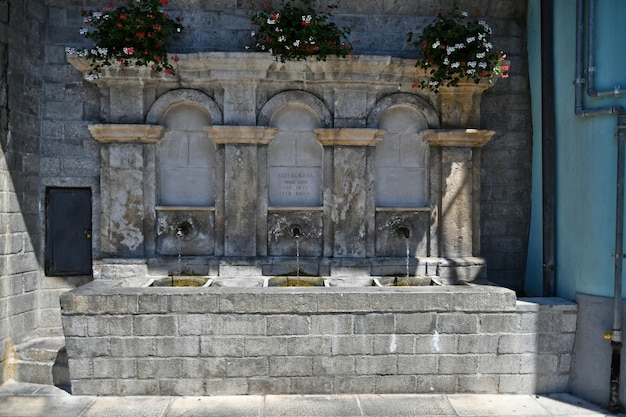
{"type": "Point", "coordinates": [295, 186]}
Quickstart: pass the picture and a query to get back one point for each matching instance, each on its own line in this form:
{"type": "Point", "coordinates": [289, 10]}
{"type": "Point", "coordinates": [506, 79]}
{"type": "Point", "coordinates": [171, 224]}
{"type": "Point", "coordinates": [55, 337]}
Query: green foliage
{"type": "Point", "coordinates": [295, 31]}
{"type": "Point", "coordinates": [456, 48]}
{"type": "Point", "coordinates": [131, 33]}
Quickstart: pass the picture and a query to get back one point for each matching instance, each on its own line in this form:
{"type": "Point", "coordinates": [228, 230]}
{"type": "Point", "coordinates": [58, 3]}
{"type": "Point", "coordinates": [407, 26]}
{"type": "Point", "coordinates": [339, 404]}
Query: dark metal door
{"type": "Point", "coordinates": [68, 231]}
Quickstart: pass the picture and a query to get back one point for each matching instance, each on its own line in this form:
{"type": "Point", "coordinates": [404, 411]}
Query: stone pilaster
{"type": "Point", "coordinates": [245, 211]}
{"type": "Point", "coordinates": [455, 190]}
{"type": "Point", "coordinates": [352, 204]}
{"type": "Point", "coordinates": [127, 187]}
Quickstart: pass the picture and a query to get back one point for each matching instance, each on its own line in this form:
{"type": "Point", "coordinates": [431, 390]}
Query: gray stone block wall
{"type": "Point", "coordinates": [5, 191]}
{"type": "Point", "coordinates": [260, 341]}
{"type": "Point", "coordinates": [22, 25]}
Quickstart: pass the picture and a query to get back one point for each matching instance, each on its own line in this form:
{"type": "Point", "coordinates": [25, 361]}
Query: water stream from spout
{"type": "Point", "coordinates": [408, 252]}
{"type": "Point", "coordinates": [178, 245]}
{"type": "Point", "coordinates": [297, 257]}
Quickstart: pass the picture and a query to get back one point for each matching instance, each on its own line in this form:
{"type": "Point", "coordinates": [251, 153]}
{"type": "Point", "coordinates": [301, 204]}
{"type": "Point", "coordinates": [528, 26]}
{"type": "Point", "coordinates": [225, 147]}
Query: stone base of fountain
{"type": "Point", "coordinates": [126, 339]}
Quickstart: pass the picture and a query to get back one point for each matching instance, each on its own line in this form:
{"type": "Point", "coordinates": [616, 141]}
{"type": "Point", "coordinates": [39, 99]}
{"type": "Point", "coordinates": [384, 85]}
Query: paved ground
{"type": "Point", "coordinates": [29, 400]}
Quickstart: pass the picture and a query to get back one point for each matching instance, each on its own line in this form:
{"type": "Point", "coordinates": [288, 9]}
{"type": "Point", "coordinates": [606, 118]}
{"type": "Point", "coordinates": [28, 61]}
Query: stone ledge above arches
{"type": "Point", "coordinates": [241, 83]}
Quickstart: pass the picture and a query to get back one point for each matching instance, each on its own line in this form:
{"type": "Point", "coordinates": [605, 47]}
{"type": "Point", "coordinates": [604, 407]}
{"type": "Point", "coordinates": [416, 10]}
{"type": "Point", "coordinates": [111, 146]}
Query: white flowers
{"type": "Point", "coordinates": [456, 47]}
{"type": "Point", "coordinates": [436, 45]}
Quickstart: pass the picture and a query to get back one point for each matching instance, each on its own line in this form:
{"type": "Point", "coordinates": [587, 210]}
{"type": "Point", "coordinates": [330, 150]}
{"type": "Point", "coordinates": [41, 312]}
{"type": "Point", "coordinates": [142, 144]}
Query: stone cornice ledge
{"type": "Point", "coordinates": [349, 137]}
{"type": "Point", "coordinates": [458, 137]}
{"type": "Point", "coordinates": [252, 135]}
{"type": "Point", "coordinates": [126, 133]}
{"type": "Point", "coordinates": [459, 107]}
{"type": "Point", "coordinates": [236, 66]}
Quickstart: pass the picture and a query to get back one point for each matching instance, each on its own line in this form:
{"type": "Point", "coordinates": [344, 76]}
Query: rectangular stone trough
{"type": "Point", "coordinates": [123, 338]}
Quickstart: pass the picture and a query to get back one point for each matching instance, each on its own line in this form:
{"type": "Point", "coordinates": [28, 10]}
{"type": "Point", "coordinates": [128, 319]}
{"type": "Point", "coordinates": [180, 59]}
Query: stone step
{"type": "Point", "coordinates": [42, 361]}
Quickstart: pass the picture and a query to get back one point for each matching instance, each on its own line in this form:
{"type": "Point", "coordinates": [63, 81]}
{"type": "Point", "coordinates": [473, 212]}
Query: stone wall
{"type": "Point", "coordinates": [22, 25]}
{"type": "Point", "coordinates": [5, 191]}
{"type": "Point", "coordinates": [218, 341]}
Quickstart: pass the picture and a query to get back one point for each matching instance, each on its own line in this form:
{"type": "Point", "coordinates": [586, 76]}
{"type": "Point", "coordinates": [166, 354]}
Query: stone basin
{"type": "Point", "coordinates": [181, 281]}
{"type": "Point", "coordinates": [419, 281]}
{"type": "Point", "coordinates": [295, 281]}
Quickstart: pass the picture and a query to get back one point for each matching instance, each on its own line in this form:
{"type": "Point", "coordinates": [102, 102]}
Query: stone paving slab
{"type": "Point", "coordinates": [32, 400]}
{"type": "Point", "coordinates": [222, 406]}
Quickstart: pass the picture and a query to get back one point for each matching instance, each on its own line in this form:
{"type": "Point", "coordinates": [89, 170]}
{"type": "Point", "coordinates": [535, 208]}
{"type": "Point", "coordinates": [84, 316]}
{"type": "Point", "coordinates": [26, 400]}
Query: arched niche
{"type": "Point", "coordinates": [401, 158]}
{"type": "Point", "coordinates": [295, 155]}
{"type": "Point", "coordinates": [186, 156]}
{"type": "Point", "coordinates": [185, 95]}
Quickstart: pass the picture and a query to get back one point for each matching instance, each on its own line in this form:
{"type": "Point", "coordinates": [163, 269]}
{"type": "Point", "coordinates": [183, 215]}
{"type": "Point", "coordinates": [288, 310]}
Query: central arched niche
{"type": "Point", "coordinates": [295, 158]}
{"type": "Point", "coordinates": [295, 178]}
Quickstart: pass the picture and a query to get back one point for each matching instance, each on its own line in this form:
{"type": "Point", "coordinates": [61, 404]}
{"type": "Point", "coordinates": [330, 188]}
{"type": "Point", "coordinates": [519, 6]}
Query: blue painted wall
{"type": "Point", "coordinates": [586, 153]}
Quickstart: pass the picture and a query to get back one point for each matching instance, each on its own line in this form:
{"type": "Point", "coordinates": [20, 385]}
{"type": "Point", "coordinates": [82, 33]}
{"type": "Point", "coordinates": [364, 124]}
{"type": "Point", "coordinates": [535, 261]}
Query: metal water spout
{"type": "Point", "coordinates": [183, 228]}
{"type": "Point", "coordinates": [296, 231]}
{"type": "Point", "coordinates": [403, 231]}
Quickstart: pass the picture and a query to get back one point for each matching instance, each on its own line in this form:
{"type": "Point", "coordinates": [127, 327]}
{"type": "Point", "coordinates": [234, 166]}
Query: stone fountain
{"type": "Point", "coordinates": [379, 179]}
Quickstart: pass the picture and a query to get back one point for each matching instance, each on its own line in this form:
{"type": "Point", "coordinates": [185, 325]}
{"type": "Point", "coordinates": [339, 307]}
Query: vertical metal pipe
{"type": "Point", "coordinates": [616, 335]}
{"type": "Point", "coordinates": [548, 161]}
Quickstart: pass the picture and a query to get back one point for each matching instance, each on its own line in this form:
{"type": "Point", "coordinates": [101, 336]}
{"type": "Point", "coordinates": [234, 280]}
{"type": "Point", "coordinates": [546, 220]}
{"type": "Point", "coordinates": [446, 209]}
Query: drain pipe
{"type": "Point", "coordinates": [548, 150]}
{"type": "Point", "coordinates": [580, 110]}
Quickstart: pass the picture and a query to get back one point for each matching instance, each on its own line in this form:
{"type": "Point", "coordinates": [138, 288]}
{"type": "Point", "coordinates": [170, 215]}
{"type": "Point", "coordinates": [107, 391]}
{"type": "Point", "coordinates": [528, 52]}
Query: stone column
{"type": "Point", "coordinates": [127, 187]}
{"type": "Point", "coordinates": [245, 193]}
{"type": "Point", "coordinates": [352, 200]}
{"type": "Point", "coordinates": [455, 190]}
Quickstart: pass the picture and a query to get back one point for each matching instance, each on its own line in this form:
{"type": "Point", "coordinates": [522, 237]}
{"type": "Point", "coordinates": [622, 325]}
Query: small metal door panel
{"type": "Point", "coordinates": [68, 231]}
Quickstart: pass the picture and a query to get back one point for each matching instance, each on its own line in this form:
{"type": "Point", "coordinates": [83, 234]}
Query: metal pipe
{"type": "Point", "coordinates": [548, 161]}
{"type": "Point", "coordinates": [591, 67]}
{"type": "Point", "coordinates": [580, 110]}
{"type": "Point", "coordinates": [616, 334]}
{"type": "Point", "coordinates": [580, 79]}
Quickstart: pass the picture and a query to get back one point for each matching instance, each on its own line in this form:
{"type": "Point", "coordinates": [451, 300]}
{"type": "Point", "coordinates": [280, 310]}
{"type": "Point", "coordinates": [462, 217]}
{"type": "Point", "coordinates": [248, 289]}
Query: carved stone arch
{"type": "Point", "coordinates": [285, 98]}
{"type": "Point", "coordinates": [423, 108]}
{"type": "Point", "coordinates": [187, 96]}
